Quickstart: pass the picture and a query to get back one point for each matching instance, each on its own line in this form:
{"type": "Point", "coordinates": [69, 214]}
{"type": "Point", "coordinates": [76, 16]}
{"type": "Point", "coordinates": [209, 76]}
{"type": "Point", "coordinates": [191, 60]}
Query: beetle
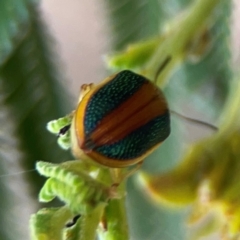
{"type": "Point", "coordinates": [120, 121]}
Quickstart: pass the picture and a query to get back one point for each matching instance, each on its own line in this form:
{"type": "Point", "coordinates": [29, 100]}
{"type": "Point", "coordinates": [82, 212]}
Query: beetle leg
{"type": "Point", "coordinates": [116, 174]}
{"type": "Point", "coordinates": [119, 176]}
{"type": "Point", "coordinates": [133, 170]}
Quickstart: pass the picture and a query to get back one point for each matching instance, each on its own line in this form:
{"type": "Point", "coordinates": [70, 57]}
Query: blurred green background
{"type": "Point", "coordinates": [49, 48]}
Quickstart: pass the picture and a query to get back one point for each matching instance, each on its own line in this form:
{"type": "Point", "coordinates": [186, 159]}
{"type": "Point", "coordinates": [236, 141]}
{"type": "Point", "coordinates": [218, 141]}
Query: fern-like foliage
{"type": "Point", "coordinates": [211, 76]}
{"type": "Point", "coordinates": [130, 21]}
{"type": "Point", "coordinates": [30, 83]}
{"type": "Point", "coordinates": [14, 22]}
{"type": "Point", "coordinates": [31, 94]}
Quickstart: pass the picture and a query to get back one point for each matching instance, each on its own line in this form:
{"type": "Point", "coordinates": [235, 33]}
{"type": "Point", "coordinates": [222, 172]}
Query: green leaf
{"type": "Point", "coordinates": [211, 76]}
{"type": "Point", "coordinates": [132, 20]}
{"type": "Point", "coordinates": [78, 190]}
{"type": "Point", "coordinates": [48, 223]}
{"type": "Point", "coordinates": [31, 94]}
{"type": "Point", "coordinates": [14, 23]}
{"type": "Point", "coordinates": [34, 94]}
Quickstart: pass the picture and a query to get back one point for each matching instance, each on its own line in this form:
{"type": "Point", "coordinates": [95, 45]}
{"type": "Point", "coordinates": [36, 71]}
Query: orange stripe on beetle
{"type": "Point", "coordinates": [120, 121]}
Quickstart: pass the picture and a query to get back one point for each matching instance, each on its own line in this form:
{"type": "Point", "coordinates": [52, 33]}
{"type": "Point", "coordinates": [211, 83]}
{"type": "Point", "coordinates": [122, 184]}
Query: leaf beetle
{"type": "Point", "coordinates": [120, 121]}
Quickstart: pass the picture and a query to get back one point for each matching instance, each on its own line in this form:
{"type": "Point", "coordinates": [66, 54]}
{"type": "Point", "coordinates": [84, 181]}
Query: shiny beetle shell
{"type": "Point", "coordinates": [120, 121]}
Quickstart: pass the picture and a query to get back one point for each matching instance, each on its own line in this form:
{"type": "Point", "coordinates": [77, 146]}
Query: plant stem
{"type": "Point", "coordinates": [116, 219]}
{"type": "Point", "coordinates": [175, 44]}
{"type": "Point", "coordinates": [90, 223]}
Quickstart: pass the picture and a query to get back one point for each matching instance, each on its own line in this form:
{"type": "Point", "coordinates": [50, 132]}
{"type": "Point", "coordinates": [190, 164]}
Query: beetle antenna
{"type": "Point", "coordinates": [161, 67]}
{"type": "Point", "coordinates": [192, 120]}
